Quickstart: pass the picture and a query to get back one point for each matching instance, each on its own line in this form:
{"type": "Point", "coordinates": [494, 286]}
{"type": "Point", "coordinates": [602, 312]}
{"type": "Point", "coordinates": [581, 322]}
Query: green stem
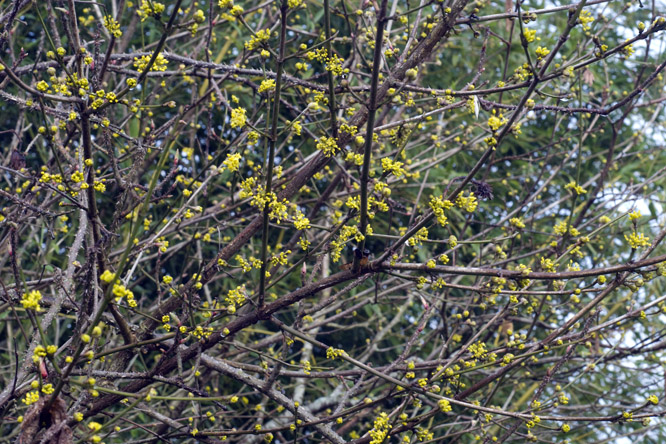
{"type": "Point", "coordinates": [331, 86]}
{"type": "Point", "coordinates": [372, 109]}
{"type": "Point", "coordinates": [271, 153]}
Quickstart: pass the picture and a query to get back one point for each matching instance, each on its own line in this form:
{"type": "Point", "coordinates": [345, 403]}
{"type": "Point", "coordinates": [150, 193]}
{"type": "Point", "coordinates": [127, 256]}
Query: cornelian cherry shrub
{"type": "Point", "coordinates": [332, 221]}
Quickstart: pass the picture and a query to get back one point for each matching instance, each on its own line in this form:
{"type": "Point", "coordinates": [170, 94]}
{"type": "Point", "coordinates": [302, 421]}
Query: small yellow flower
{"type": "Point", "coordinates": [149, 8]}
{"type": "Point", "coordinates": [107, 276]}
{"type": "Point", "coordinates": [332, 353]}
{"type": "Point", "coordinates": [542, 52]}
{"type": "Point", "coordinates": [238, 117]}
{"type": "Point", "coordinates": [232, 162]}
{"type": "Point", "coordinates": [575, 187]}
{"type": "Point", "coordinates": [267, 85]}
{"type": "Point", "coordinates": [444, 405]}
{"type": "Point", "coordinates": [517, 222]}
{"type": "Point", "coordinates": [31, 397]}
{"type": "Point", "coordinates": [637, 240]}
{"type": "Point", "coordinates": [112, 26]}
{"type": "Point", "coordinates": [30, 301]}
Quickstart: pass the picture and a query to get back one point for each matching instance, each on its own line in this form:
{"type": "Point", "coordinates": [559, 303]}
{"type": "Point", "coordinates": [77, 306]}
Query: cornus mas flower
{"type": "Point", "coordinates": [30, 301]}
{"type": "Point", "coordinates": [238, 117]}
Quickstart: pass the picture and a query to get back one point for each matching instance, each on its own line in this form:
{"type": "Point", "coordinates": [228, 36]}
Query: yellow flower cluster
{"type": "Point", "coordinates": [496, 122]}
{"type": "Point", "coordinates": [303, 243]}
{"type": "Point", "coordinates": [575, 187]}
{"type": "Point", "coordinates": [395, 167]}
{"type": "Point", "coordinates": [202, 333]}
{"type": "Point", "coordinates": [30, 301]}
{"type": "Point", "coordinates": [478, 349]}
{"type": "Point", "coordinates": [547, 265]}
{"type": "Point", "coordinates": [99, 186]}
{"type": "Point", "coordinates": [46, 178]}
{"type": "Point", "coordinates": [236, 11]}
{"type": "Point", "coordinates": [418, 238]}
{"type": "Point", "coordinates": [380, 429]}
{"type": "Point", "coordinates": [346, 233]}
{"type": "Point", "coordinates": [267, 85]}
{"type": "Point", "coordinates": [281, 259]}
{"type": "Point", "coordinates": [637, 240]}
{"type": "Point", "coordinates": [235, 298]}
{"type": "Point", "coordinates": [444, 405]}
{"type": "Point", "coordinates": [334, 65]}
{"type": "Point", "coordinates": [297, 127]}
{"type": "Point", "coordinates": [332, 353]}
{"type": "Point", "coordinates": [328, 145]}
{"type": "Point", "coordinates": [40, 352]}
{"type": "Point", "coordinates": [301, 222]}
{"type": "Point", "coordinates": [542, 52]}
{"type": "Point", "coordinates": [354, 202]}
{"type": "Point", "coordinates": [232, 161]}
{"type": "Point", "coordinates": [77, 176]}
{"type": "Point", "coordinates": [142, 63]}
{"type": "Point", "coordinates": [279, 209]}
{"type": "Point", "coordinates": [107, 276]}
{"type": "Point", "coordinates": [530, 35]}
{"type": "Point", "coordinates": [112, 26]}
{"type": "Point", "coordinates": [354, 158]}
{"type": "Point", "coordinates": [438, 206]}
{"type": "Point", "coordinates": [120, 291]}
{"type": "Point", "coordinates": [585, 18]}
{"type": "Point", "coordinates": [31, 397]}
{"type": "Point", "coordinates": [148, 8]}
{"type": "Point", "coordinates": [507, 359]}
{"type": "Point", "coordinates": [517, 222]}
{"type": "Point", "coordinates": [238, 117]}
{"type": "Point", "coordinates": [468, 203]}
{"type": "Point", "coordinates": [260, 37]}
{"type": "Point", "coordinates": [42, 86]}
{"type": "Point", "coordinates": [522, 73]}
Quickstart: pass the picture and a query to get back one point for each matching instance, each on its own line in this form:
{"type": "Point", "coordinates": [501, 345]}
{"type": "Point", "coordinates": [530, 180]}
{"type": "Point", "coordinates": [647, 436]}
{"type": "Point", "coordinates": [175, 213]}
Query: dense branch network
{"type": "Point", "coordinates": [346, 221]}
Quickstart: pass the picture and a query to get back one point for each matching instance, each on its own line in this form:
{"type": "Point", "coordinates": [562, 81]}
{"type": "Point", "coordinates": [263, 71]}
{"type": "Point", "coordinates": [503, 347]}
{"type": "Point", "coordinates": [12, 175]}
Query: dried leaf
{"type": "Point", "coordinates": [17, 160]}
{"type": "Point", "coordinates": [588, 77]}
{"type": "Point", "coordinates": [508, 7]}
